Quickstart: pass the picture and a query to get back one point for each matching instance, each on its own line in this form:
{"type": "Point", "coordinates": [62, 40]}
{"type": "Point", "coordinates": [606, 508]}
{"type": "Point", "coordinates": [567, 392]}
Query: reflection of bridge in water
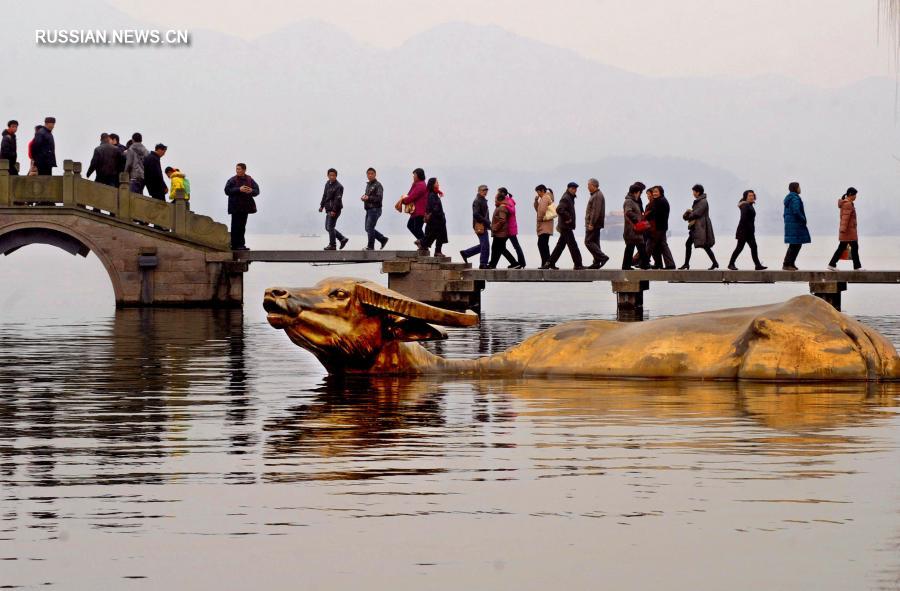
{"type": "Point", "coordinates": [162, 254]}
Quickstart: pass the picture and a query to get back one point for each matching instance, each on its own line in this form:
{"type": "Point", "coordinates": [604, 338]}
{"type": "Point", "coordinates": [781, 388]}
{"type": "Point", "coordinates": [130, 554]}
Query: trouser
{"type": "Point", "coordinates": [13, 171]}
{"type": "Point", "coordinates": [659, 250]}
{"type": "Point", "coordinates": [44, 169]}
{"type": "Point", "coordinates": [238, 229]}
{"type": "Point", "coordinates": [520, 255]}
{"type": "Point", "coordinates": [483, 248]}
{"type": "Point", "coordinates": [331, 228]}
{"type": "Point", "coordinates": [566, 238]}
{"type": "Point", "coordinates": [497, 250]}
{"type": "Point", "coordinates": [592, 242]}
{"type": "Point", "coordinates": [754, 253]}
{"type": "Point", "coordinates": [415, 225]}
{"type": "Point", "coordinates": [372, 216]}
{"type": "Point", "coordinates": [136, 186]}
{"type": "Point", "coordinates": [628, 258]}
{"type": "Point", "coordinates": [790, 257]}
{"type": "Point", "coordinates": [687, 252]}
{"type": "Point", "coordinates": [435, 239]}
{"type": "Point", "coordinates": [854, 253]}
{"type": "Point", "coordinates": [111, 180]}
{"type": "Point", "coordinates": [544, 248]}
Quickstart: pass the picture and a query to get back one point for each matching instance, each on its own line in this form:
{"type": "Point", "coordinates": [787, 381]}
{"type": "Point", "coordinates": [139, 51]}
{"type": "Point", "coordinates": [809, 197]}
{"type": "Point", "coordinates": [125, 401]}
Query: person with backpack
{"type": "Point", "coordinates": [848, 237]}
{"type": "Point", "coordinates": [179, 183]}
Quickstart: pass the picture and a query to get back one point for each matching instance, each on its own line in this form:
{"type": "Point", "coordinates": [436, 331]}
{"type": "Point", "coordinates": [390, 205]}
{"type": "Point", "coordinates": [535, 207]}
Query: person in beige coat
{"type": "Point", "coordinates": [543, 198]}
{"type": "Point", "coordinates": [847, 233]}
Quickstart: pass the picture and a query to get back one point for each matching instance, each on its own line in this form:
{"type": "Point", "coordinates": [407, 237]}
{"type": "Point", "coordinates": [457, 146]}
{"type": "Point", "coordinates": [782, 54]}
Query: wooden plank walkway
{"type": "Point", "coordinates": [321, 256]}
{"type": "Point", "coordinates": [687, 276]}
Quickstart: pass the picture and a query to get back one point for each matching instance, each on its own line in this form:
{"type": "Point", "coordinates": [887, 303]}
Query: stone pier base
{"type": "Point", "coordinates": [435, 281]}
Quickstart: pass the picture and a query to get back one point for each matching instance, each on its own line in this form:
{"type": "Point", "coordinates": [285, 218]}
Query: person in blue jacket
{"type": "Point", "coordinates": [796, 234]}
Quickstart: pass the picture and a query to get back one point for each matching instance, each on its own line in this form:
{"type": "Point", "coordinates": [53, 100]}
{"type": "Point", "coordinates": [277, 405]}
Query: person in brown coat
{"type": "Point", "coordinates": [847, 235]}
{"type": "Point", "coordinates": [500, 229]}
{"type": "Point", "coordinates": [543, 198]}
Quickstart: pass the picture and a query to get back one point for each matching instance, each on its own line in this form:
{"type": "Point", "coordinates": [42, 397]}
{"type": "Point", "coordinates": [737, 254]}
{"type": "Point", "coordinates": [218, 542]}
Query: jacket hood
{"type": "Point", "coordinates": [6, 132]}
{"type": "Point", "coordinates": [177, 174]}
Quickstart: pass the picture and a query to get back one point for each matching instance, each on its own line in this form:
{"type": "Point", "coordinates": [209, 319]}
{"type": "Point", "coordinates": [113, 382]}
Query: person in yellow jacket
{"type": "Point", "coordinates": [179, 182]}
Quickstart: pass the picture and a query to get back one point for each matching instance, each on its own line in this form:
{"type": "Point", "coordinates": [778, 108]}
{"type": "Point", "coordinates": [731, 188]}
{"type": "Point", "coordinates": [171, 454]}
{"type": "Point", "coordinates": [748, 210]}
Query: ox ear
{"type": "Point", "coordinates": [410, 329]}
{"type": "Point", "coordinates": [381, 298]}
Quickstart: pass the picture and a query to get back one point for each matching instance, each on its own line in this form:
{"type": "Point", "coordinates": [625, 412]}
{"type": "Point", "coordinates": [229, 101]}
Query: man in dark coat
{"type": "Point", "coordinates": [481, 223]}
{"type": "Point", "coordinates": [372, 201]}
{"type": "Point", "coordinates": [594, 218]}
{"type": "Point", "coordinates": [153, 174]}
{"type": "Point", "coordinates": [241, 190]}
{"type": "Point", "coordinates": [332, 203]}
{"type": "Point", "coordinates": [105, 162]}
{"type": "Point", "coordinates": [565, 212]}
{"type": "Point", "coordinates": [8, 150]}
{"type": "Point", "coordinates": [659, 227]}
{"type": "Point", "coordinates": [114, 140]}
{"type": "Point", "coordinates": [43, 147]}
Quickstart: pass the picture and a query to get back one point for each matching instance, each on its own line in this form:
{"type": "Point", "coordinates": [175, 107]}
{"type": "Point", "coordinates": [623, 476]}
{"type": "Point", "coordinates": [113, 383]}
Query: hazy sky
{"type": "Point", "coordinates": [824, 42]}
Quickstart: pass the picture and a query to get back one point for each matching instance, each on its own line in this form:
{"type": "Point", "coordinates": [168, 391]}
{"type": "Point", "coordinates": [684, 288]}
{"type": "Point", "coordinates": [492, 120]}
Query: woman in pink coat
{"type": "Point", "coordinates": [519, 263]}
{"type": "Point", "coordinates": [848, 236]}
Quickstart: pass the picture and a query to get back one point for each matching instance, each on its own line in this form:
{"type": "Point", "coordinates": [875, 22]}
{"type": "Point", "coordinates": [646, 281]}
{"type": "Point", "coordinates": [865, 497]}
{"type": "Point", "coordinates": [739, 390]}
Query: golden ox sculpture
{"type": "Point", "coordinates": [355, 326]}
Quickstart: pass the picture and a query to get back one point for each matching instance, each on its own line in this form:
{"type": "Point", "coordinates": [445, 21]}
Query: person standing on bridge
{"type": "Point", "coordinates": [43, 147]}
{"type": "Point", "coordinates": [700, 229]}
{"type": "Point", "coordinates": [658, 246]}
{"type": "Point", "coordinates": [241, 190]}
{"type": "Point", "coordinates": [631, 233]}
{"type": "Point", "coordinates": [481, 223]}
{"type": "Point", "coordinates": [546, 213]}
{"type": "Point", "coordinates": [746, 231]}
{"type": "Point", "coordinates": [414, 203]}
{"type": "Point", "coordinates": [8, 150]}
{"type": "Point", "coordinates": [567, 221]}
{"type": "Point", "coordinates": [372, 201]}
{"type": "Point", "coordinates": [594, 219]}
{"type": "Point", "coordinates": [796, 234]}
{"type": "Point", "coordinates": [848, 236]}
{"type": "Point", "coordinates": [332, 203]}
{"type": "Point", "coordinates": [153, 174]}
{"type": "Point", "coordinates": [499, 229]}
{"type": "Point", "coordinates": [134, 163]}
{"type": "Point", "coordinates": [435, 220]}
{"type": "Point", "coordinates": [116, 142]}
{"type": "Point", "coordinates": [105, 162]}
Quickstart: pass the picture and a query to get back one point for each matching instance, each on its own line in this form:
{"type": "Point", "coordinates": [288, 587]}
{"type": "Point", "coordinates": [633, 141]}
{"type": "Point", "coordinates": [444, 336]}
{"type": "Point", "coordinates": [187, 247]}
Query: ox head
{"type": "Point", "coordinates": [346, 322]}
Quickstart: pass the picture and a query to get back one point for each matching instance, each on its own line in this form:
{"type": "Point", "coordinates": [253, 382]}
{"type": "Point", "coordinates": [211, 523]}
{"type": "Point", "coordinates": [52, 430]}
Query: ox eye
{"type": "Point", "coordinates": [339, 294]}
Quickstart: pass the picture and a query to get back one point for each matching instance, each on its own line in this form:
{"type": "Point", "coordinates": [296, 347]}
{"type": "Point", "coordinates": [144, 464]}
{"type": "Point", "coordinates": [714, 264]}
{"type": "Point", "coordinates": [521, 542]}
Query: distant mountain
{"type": "Point", "coordinates": [469, 103]}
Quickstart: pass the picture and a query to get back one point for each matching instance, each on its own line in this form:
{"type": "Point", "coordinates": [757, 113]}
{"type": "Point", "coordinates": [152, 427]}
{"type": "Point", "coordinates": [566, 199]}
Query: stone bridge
{"type": "Point", "coordinates": [156, 253]}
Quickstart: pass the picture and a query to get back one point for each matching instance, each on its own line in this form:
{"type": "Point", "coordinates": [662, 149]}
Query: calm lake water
{"type": "Point", "coordinates": [190, 449]}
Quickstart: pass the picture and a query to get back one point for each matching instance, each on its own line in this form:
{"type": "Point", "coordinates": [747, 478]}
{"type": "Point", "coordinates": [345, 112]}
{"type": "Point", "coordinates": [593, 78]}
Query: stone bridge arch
{"type": "Point", "coordinates": [155, 253]}
{"type": "Point", "coordinates": [17, 235]}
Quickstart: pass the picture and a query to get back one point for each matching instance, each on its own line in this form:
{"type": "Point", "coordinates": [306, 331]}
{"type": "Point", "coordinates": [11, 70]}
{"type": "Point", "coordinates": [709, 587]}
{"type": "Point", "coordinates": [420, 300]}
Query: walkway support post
{"type": "Point", "coordinates": [630, 300]}
{"type": "Point", "coordinates": [830, 291]}
{"type": "Point", "coordinates": [69, 183]}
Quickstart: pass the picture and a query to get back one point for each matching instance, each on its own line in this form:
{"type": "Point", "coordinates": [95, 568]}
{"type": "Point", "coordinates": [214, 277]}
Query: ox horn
{"type": "Point", "coordinates": [376, 296]}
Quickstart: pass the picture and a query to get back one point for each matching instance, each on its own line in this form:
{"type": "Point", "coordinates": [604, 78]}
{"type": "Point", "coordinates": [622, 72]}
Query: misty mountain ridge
{"type": "Point", "coordinates": [471, 104]}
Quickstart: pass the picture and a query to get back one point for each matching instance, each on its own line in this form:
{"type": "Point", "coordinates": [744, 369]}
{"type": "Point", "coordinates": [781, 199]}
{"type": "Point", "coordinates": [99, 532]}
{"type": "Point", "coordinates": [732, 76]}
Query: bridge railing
{"type": "Point", "coordinates": [71, 190]}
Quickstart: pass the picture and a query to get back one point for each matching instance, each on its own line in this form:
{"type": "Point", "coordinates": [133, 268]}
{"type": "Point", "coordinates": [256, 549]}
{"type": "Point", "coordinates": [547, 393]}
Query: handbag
{"type": "Point", "coordinates": [550, 214]}
{"type": "Point", "coordinates": [409, 207]}
{"type": "Point", "coordinates": [642, 226]}
{"type": "Point", "coordinates": [845, 255]}
{"type": "Point", "coordinates": [479, 228]}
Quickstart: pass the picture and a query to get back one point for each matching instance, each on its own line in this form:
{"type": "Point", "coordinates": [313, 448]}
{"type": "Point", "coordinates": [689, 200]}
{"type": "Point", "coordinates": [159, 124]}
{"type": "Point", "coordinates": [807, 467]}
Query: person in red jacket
{"type": "Point", "coordinates": [417, 199]}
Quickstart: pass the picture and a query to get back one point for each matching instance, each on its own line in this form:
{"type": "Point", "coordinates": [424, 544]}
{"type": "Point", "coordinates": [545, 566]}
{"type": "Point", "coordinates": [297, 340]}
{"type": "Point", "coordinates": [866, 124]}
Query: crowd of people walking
{"type": "Point", "coordinates": [645, 232]}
